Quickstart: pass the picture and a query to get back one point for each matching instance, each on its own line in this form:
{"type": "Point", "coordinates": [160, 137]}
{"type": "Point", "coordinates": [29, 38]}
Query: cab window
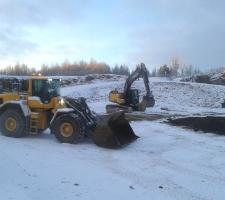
{"type": "Point", "coordinates": [46, 89]}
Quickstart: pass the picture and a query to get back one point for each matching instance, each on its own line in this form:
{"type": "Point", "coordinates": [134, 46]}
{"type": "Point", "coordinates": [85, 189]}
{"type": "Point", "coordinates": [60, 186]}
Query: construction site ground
{"type": "Point", "coordinates": [166, 162]}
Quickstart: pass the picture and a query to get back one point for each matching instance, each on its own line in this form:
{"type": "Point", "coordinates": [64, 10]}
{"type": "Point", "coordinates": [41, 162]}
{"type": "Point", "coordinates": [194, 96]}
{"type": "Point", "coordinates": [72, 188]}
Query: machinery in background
{"type": "Point", "coordinates": [29, 106]}
{"type": "Point", "coordinates": [129, 99]}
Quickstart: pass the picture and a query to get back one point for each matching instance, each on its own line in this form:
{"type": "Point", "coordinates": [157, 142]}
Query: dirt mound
{"type": "Point", "coordinates": [213, 124]}
{"type": "Point", "coordinates": [214, 78]}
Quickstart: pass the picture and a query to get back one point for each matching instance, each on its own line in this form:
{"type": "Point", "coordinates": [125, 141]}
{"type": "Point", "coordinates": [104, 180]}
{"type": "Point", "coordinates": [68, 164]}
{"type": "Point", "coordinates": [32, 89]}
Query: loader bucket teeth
{"type": "Point", "coordinates": [113, 131]}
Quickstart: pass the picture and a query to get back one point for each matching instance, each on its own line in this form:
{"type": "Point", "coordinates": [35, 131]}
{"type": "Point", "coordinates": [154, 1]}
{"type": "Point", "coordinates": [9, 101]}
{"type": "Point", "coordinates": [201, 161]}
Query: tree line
{"type": "Point", "coordinates": [175, 69]}
{"type": "Point", "coordinates": [67, 69]}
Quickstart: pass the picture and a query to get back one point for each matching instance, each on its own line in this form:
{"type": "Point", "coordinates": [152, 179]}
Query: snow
{"type": "Point", "coordinates": [166, 162]}
{"type": "Point", "coordinates": [175, 96]}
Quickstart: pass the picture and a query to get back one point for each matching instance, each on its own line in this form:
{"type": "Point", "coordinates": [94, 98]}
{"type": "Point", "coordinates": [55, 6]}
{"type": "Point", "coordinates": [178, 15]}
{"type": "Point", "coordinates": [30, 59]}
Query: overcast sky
{"type": "Point", "coordinates": [116, 31]}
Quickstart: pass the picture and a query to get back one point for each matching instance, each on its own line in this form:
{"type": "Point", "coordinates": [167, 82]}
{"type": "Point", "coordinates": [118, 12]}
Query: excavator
{"type": "Point", "coordinates": [30, 106]}
{"type": "Point", "coordinates": [129, 99]}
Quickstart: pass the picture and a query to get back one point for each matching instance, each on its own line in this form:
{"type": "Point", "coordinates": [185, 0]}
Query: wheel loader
{"type": "Point", "coordinates": [129, 99]}
{"type": "Point", "coordinates": [32, 105]}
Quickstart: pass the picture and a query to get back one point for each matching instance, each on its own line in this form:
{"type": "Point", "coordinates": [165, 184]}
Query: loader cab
{"type": "Point", "coordinates": [133, 98]}
{"type": "Point", "coordinates": [45, 89]}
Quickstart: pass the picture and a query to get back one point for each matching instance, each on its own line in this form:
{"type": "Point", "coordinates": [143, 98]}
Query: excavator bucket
{"type": "Point", "coordinates": [113, 131]}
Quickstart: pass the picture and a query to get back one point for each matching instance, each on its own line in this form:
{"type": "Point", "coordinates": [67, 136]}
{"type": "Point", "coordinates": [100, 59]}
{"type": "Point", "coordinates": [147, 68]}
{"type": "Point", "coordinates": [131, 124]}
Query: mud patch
{"type": "Point", "coordinates": [213, 124]}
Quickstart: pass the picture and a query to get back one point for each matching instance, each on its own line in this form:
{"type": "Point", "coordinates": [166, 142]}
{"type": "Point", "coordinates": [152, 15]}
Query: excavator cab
{"type": "Point", "coordinates": [133, 99]}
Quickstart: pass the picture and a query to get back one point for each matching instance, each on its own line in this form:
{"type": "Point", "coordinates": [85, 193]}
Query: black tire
{"type": "Point", "coordinates": [76, 123]}
{"type": "Point", "coordinates": [19, 130]}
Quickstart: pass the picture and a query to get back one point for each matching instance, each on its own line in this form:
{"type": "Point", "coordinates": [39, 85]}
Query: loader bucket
{"type": "Point", "coordinates": [113, 131]}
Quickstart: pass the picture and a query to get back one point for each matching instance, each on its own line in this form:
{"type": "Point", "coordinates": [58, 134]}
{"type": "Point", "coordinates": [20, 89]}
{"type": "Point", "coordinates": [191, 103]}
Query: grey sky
{"type": "Point", "coordinates": [128, 31]}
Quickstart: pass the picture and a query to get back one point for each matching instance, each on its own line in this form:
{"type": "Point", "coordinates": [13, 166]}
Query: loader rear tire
{"type": "Point", "coordinates": [68, 128]}
{"type": "Point", "coordinates": [12, 124]}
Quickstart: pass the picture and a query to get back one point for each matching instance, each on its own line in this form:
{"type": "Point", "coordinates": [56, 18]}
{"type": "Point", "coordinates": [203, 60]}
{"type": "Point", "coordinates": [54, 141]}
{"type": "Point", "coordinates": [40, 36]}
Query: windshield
{"type": "Point", "coordinates": [46, 89]}
{"type": "Point", "coordinates": [54, 87]}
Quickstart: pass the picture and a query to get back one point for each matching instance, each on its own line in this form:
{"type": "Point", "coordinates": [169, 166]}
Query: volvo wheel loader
{"type": "Point", "coordinates": [29, 106]}
{"type": "Point", "coordinates": [129, 99]}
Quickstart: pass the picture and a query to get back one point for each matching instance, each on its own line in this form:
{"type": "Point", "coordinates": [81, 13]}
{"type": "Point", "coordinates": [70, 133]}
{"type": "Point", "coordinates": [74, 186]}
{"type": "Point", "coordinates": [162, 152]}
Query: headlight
{"type": "Point", "coordinates": [61, 102]}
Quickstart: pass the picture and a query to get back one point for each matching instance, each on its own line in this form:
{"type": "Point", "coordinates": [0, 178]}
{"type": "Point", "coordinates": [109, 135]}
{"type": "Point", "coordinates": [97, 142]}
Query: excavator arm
{"type": "Point", "coordinates": [140, 72]}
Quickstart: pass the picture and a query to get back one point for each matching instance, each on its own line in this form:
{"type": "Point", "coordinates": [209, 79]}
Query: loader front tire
{"type": "Point", "coordinates": [68, 128]}
{"type": "Point", "coordinates": [12, 123]}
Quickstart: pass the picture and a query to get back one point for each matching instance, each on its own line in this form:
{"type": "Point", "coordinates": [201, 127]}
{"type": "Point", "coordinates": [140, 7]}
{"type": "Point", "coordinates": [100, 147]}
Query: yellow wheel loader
{"type": "Point", "coordinates": [30, 106]}
{"type": "Point", "coordinates": [129, 99]}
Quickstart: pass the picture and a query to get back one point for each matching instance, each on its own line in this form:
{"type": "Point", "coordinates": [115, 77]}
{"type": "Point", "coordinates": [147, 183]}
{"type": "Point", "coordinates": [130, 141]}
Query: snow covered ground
{"type": "Point", "coordinates": [171, 96]}
{"type": "Point", "coordinates": [166, 162]}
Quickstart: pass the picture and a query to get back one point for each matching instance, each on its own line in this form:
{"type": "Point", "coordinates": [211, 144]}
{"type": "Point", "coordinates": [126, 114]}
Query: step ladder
{"type": "Point", "coordinates": [34, 123]}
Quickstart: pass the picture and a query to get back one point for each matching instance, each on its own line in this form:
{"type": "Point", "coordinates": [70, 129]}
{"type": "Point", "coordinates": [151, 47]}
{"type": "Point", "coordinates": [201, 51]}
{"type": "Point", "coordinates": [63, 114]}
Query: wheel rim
{"type": "Point", "coordinates": [66, 129]}
{"type": "Point", "coordinates": [10, 124]}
